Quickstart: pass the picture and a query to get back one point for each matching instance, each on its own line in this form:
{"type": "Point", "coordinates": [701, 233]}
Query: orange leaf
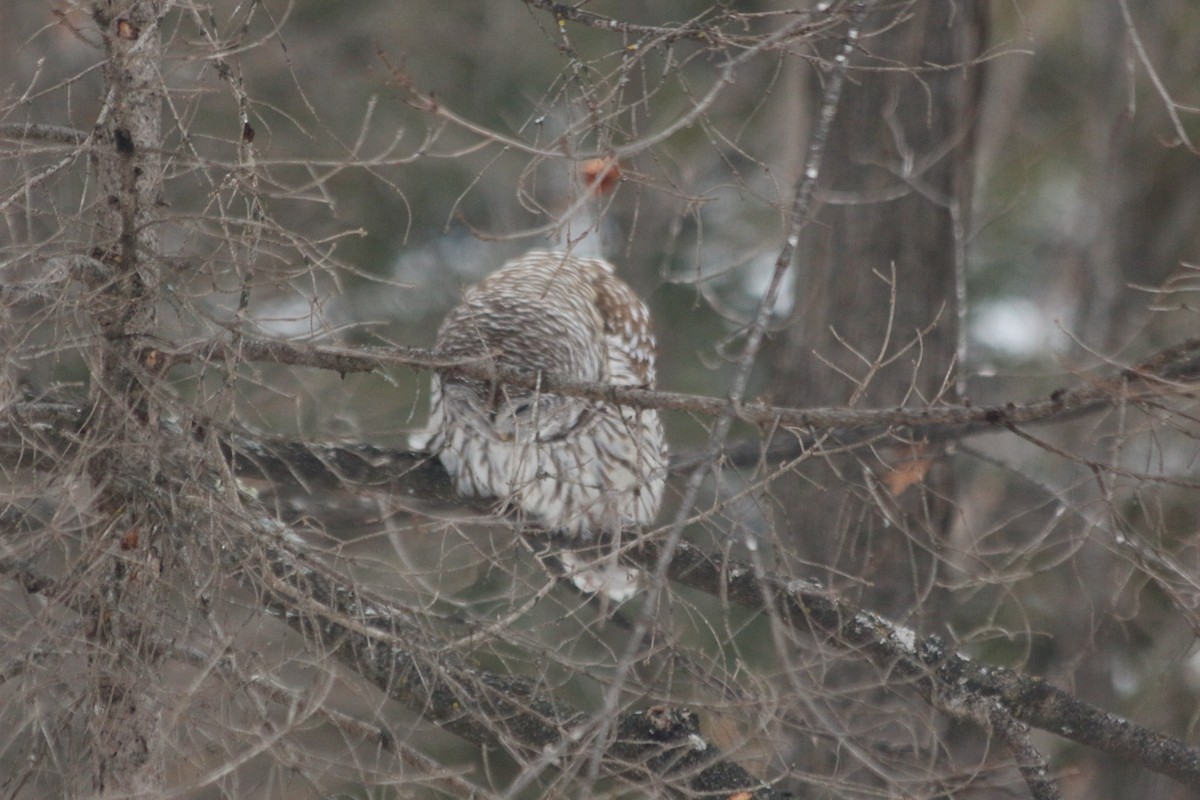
{"type": "Point", "coordinates": [907, 472]}
{"type": "Point", "coordinates": [600, 174]}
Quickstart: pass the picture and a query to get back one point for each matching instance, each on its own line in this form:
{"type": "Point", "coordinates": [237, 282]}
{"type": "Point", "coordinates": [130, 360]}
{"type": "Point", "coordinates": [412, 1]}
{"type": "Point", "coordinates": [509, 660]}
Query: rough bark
{"type": "Point", "coordinates": [876, 319]}
{"type": "Point", "coordinates": [876, 312]}
{"type": "Point", "coordinates": [130, 515]}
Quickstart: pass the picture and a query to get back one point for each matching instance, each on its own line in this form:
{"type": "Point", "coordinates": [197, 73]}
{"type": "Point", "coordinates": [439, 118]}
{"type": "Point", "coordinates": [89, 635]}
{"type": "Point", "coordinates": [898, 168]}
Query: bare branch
{"type": "Point", "coordinates": [949, 681]}
{"type": "Point", "coordinates": [1168, 372]}
{"type": "Point", "coordinates": [1032, 764]}
{"type": "Point", "coordinates": [1171, 106]}
{"type": "Point", "coordinates": [712, 34]}
{"type": "Point", "coordinates": [43, 133]}
{"type": "Point", "coordinates": [377, 640]}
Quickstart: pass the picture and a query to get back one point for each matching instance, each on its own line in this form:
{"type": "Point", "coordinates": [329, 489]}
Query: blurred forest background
{"type": "Point", "coordinates": [1008, 206]}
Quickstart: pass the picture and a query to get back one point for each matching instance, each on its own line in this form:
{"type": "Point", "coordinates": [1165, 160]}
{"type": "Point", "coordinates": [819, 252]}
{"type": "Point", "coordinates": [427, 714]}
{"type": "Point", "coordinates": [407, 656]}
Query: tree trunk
{"type": "Point", "coordinates": [125, 545]}
{"type": "Point", "coordinates": [877, 320]}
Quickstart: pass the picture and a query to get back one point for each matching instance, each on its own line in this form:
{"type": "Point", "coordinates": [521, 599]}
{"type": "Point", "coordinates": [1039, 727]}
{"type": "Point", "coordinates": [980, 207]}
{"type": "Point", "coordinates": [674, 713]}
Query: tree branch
{"type": "Point", "coordinates": [1030, 762]}
{"type": "Point", "coordinates": [43, 133]}
{"type": "Point", "coordinates": [38, 433]}
{"type": "Point", "coordinates": [711, 35]}
{"type": "Point", "coordinates": [379, 641]}
{"type": "Point", "coordinates": [412, 665]}
{"type": "Point", "coordinates": [949, 681]}
{"type": "Point", "coordinates": [1166, 372]}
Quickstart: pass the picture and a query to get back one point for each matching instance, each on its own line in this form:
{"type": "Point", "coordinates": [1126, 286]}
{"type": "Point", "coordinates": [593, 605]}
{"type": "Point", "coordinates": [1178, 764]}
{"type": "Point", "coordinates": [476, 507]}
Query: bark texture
{"type": "Point", "coordinates": [131, 514]}
{"type": "Point", "coordinates": [876, 321]}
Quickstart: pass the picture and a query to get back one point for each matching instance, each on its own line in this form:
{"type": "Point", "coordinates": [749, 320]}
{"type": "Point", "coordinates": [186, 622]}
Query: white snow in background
{"type": "Point", "coordinates": [758, 274]}
{"type": "Point", "coordinates": [1126, 680]}
{"type": "Point", "coordinates": [1191, 671]}
{"type": "Point", "coordinates": [290, 318]}
{"type": "Point", "coordinates": [1016, 327]}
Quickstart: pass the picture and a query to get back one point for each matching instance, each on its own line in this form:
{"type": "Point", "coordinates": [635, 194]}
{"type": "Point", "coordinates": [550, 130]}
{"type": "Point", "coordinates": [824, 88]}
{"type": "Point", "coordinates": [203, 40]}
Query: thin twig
{"type": "Point", "coordinates": [696, 109]}
{"type": "Point", "coordinates": [43, 133]}
{"type": "Point", "coordinates": [1171, 106]}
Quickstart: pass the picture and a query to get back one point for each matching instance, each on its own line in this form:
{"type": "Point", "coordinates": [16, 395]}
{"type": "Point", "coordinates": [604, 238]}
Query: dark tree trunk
{"type": "Point", "coordinates": [877, 324]}
{"type": "Point", "coordinates": [876, 320]}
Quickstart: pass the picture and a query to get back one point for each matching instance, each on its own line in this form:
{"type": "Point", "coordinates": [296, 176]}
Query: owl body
{"type": "Point", "coordinates": [577, 466]}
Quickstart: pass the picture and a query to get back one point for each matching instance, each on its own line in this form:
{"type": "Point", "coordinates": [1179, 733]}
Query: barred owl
{"type": "Point", "coordinates": [580, 467]}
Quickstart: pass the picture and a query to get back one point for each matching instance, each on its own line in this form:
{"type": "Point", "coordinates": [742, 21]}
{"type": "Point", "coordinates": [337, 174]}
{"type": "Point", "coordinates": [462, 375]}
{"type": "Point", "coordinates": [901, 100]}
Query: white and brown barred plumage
{"type": "Point", "coordinates": [581, 467]}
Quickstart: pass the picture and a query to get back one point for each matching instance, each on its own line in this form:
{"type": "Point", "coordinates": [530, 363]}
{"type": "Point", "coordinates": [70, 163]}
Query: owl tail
{"type": "Point", "coordinates": [602, 576]}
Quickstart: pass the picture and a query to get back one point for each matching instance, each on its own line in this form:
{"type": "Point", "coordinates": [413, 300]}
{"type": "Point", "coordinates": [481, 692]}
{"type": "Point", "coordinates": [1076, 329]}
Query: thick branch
{"type": "Point", "coordinates": [413, 666]}
{"type": "Point", "coordinates": [1029, 760]}
{"type": "Point", "coordinates": [949, 681]}
{"type": "Point", "coordinates": [380, 642]}
{"type": "Point", "coordinates": [383, 644]}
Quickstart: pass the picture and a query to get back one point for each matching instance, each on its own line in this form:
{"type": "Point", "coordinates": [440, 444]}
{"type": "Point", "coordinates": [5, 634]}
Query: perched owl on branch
{"type": "Point", "coordinates": [584, 468]}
